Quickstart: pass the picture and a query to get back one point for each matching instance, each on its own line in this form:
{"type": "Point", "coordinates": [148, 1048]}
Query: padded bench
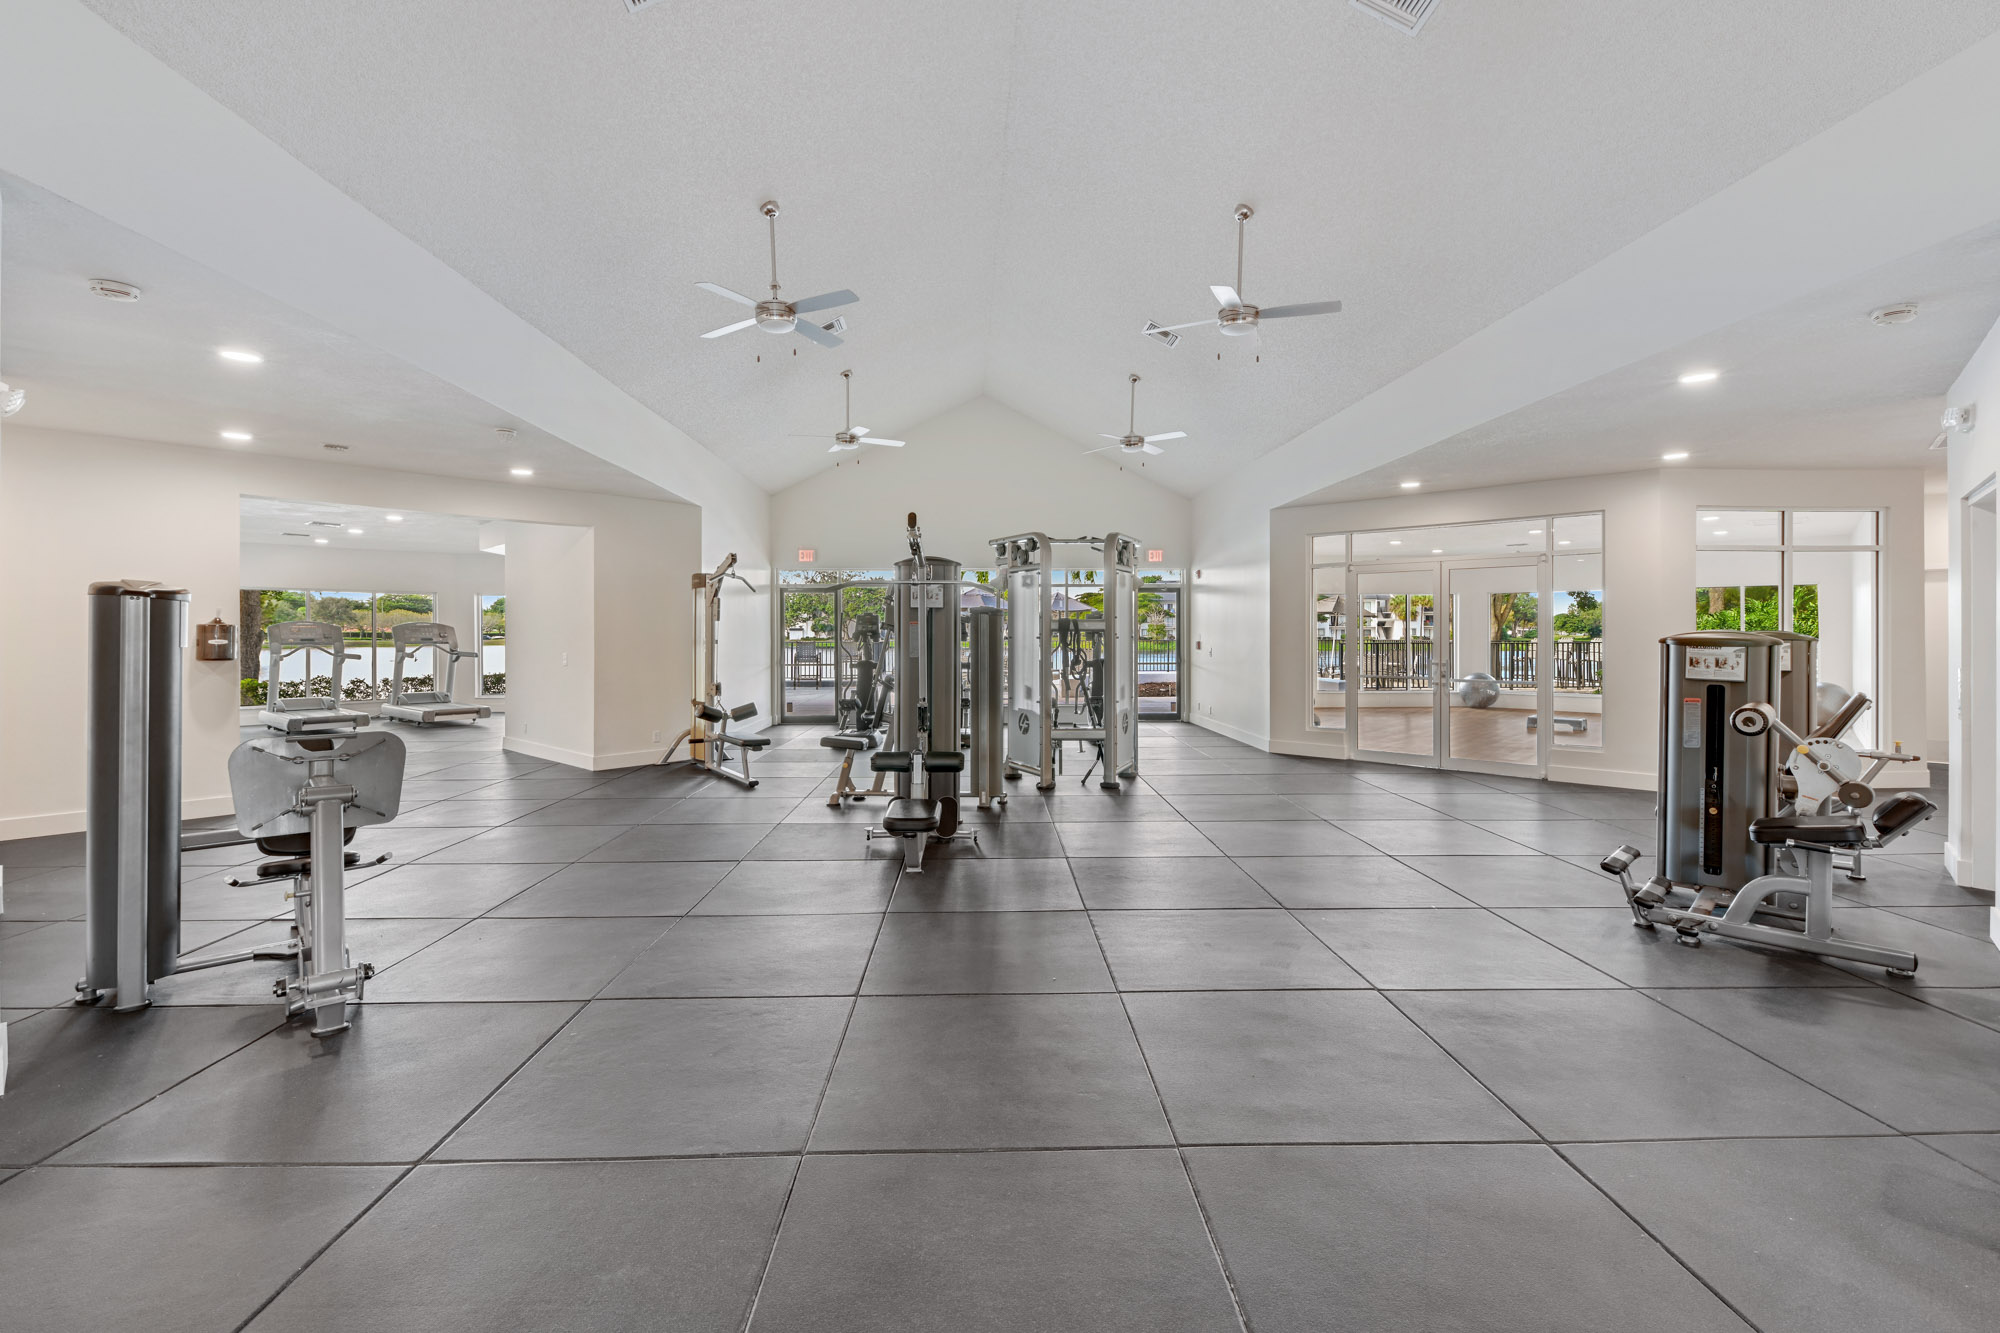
{"type": "Point", "coordinates": [1893, 818]}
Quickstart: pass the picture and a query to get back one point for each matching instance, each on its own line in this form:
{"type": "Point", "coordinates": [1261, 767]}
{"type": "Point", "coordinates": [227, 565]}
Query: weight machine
{"type": "Point", "coordinates": [707, 733]}
{"type": "Point", "coordinates": [1070, 679]}
{"type": "Point", "coordinates": [1729, 807]}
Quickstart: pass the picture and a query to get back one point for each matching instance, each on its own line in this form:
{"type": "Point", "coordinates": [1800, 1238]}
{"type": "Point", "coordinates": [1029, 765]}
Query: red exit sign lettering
{"type": "Point", "coordinates": [1155, 557]}
{"type": "Point", "coordinates": [805, 555]}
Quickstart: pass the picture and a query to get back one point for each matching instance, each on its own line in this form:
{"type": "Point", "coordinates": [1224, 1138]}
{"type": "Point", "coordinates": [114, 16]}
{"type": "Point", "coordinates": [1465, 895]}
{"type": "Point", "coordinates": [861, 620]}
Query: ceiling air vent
{"type": "Point", "coordinates": [1409, 15]}
{"type": "Point", "coordinates": [1160, 335]}
{"type": "Point", "coordinates": [634, 6]}
{"type": "Point", "coordinates": [322, 523]}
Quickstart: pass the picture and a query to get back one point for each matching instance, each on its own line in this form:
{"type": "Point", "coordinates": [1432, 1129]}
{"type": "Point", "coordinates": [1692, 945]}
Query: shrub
{"type": "Point", "coordinates": [253, 693]}
{"type": "Point", "coordinates": [493, 684]}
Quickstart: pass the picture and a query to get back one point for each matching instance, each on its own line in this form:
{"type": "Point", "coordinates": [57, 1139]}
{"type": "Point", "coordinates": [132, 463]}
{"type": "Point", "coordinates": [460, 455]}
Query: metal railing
{"type": "Point", "coordinates": [1406, 664]}
{"type": "Point", "coordinates": [1579, 664]}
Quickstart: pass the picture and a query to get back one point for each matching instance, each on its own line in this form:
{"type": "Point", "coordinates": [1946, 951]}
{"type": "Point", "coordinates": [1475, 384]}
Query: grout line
{"type": "Point", "coordinates": [1546, 1142]}
{"type": "Point", "coordinates": [784, 1207]}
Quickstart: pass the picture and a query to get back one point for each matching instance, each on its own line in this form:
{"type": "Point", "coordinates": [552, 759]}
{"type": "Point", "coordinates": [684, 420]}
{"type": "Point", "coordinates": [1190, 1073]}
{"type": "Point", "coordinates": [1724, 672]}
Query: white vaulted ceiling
{"type": "Point", "coordinates": [1015, 186]}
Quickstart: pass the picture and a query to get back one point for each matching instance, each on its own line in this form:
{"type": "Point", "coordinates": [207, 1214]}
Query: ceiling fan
{"type": "Point", "coordinates": [775, 316]}
{"type": "Point", "coordinates": [853, 437]}
{"type": "Point", "coordinates": [1131, 442]}
{"type": "Point", "coordinates": [1238, 318]}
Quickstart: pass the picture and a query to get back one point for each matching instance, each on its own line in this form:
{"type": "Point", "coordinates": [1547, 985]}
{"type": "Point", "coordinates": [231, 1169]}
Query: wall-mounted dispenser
{"type": "Point", "coordinates": [215, 641]}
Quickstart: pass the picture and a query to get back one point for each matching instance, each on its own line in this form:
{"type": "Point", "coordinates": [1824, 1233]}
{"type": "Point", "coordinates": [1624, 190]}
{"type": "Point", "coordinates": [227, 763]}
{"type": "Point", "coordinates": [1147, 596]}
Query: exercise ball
{"type": "Point", "coordinates": [1477, 690]}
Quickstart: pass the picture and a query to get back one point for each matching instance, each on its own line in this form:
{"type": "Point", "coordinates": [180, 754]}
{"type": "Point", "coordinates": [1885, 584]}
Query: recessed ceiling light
{"type": "Point", "coordinates": [240, 436]}
{"type": "Point", "coordinates": [1674, 457]}
{"type": "Point", "coordinates": [1534, 532]}
{"type": "Point", "coordinates": [1718, 533]}
{"type": "Point", "coordinates": [1410, 485]}
{"type": "Point", "coordinates": [1701, 377]}
{"type": "Point", "coordinates": [1437, 550]}
{"type": "Point", "coordinates": [393, 518]}
{"type": "Point", "coordinates": [1711, 518]}
{"type": "Point", "coordinates": [523, 471]}
{"type": "Point", "coordinates": [1562, 541]}
{"type": "Point", "coordinates": [354, 532]}
{"type": "Point", "coordinates": [239, 355]}
{"type": "Point", "coordinates": [319, 541]}
{"type": "Point", "coordinates": [1394, 541]}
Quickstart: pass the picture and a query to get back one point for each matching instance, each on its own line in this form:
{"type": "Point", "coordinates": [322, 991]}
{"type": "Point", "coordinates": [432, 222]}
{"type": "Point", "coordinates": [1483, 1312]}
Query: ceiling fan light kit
{"type": "Point", "coordinates": [1236, 317]}
{"type": "Point", "coordinates": [778, 316]}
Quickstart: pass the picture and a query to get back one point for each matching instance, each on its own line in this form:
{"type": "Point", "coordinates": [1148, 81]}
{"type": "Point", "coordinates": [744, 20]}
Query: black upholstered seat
{"type": "Point", "coordinates": [890, 761]}
{"type": "Point", "coordinates": [1893, 818]}
{"type": "Point", "coordinates": [910, 816]}
{"type": "Point", "coordinates": [846, 741]}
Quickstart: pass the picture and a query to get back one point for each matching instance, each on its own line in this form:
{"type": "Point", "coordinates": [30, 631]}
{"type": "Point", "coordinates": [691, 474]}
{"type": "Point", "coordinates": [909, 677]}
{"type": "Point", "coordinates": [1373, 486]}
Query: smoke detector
{"type": "Point", "coordinates": [1960, 419]}
{"type": "Point", "coordinates": [1900, 313]}
{"type": "Point", "coordinates": [113, 290]}
{"type": "Point", "coordinates": [1409, 15]}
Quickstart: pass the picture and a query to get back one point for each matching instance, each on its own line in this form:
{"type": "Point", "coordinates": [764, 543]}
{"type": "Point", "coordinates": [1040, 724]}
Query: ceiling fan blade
{"type": "Point", "coordinates": [893, 444]}
{"type": "Point", "coordinates": [825, 301]}
{"type": "Point", "coordinates": [1151, 449]}
{"type": "Point", "coordinates": [1226, 296]}
{"type": "Point", "coordinates": [729, 328]}
{"type": "Point", "coordinates": [857, 430]}
{"type": "Point", "coordinates": [808, 435]}
{"type": "Point", "coordinates": [1102, 436]}
{"type": "Point", "coordinates": [1105, 450]}
{"type": "Point", "coordinates": [1170, 435]}
{"type": "Point", "coordinates": [1308, 308]}
{"type": "Point", "coordinates": [812, 332]}
{"type": "Point", "coordinates": [836, 448]}
{"type": "Point", "coordinates": [725, 293]}
{"type": "Point", "coordinates": [1175, 328]}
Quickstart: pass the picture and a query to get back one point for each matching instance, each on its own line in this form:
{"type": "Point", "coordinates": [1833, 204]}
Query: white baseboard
{"type": "Point", "coordinates": [1623, 779]}
{"type": "Point", "coordinates": [1262, 742]}
{"type": "Point", "coordinates": [71, 821]}
{"type": "Point", "coordinates": [594, 763]}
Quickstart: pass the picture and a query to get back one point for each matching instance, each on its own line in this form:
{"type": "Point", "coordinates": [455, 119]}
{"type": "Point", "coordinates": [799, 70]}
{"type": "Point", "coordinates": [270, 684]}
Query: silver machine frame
{"type": "Point", "coordinates": [1048, 706]}
{"type": "Point", "coordinates": [707, 732]}
{"type": "Point", "coordinates": [320, 787]}
{"type": "Point", "coordinates": [1723, 819]}
{"type": "Point", "coordinates": [290, 798]}
{"type": "Point", "coordinates": [311, 714]}
{"type": "Point", "coordinates": [924, 754]}
{"type": "Point", "coordinates": [424, 707]}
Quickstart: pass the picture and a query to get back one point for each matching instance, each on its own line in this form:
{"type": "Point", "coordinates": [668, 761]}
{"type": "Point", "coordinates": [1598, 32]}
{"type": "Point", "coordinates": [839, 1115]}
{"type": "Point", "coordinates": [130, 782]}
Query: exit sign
{"type": "Point", "coordinates": [805, 555]}
{"type": "Point", "coordinates": [1155, 557]}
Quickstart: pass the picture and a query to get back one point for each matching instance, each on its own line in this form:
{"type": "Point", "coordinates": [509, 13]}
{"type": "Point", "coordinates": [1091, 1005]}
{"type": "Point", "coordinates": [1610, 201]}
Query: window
{"type": "Point", "coordinates": [366, 620]}
{"type": "Point", "coordinates": [1810, 571]}
{"type": "Point", "coordinates": [1578, 631]}
{"type": "Point", "coordinates": [492, 645]}
{"type": "Point", "coordinates": [1329, 629]}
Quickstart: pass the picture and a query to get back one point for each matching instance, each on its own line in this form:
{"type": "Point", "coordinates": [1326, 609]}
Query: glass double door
{"type": "Point", "coordinates": [819, 646]}
{"type": "Point", "coordinates": [1445, 664]}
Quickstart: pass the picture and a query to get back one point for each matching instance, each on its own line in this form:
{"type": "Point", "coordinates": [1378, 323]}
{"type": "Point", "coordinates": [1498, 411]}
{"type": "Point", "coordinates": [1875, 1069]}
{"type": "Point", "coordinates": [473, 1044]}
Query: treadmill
{"type": "Point", "coordinates": [311, 714]}
{"type": "Point", "coordinates": [423, 707]}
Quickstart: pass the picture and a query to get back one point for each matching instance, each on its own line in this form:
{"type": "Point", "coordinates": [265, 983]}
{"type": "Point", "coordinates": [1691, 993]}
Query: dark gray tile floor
{"type": "Point", "coordinates": [1257, 1043]}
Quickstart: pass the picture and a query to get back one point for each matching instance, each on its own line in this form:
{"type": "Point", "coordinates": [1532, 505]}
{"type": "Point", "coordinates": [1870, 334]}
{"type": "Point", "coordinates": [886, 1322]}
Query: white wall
{"type": "Point", "coordinates": [457, 581]}
{"type": "Point", "coordinates": [75, 509]}
{"type": "Point", "coordinates": [1973, 460]}
{"type": "Point", "coordinates": [1649, 581]}
{"type": "Point", "coordinates": [979, 471]}
{"type": "Point", "coordinates": [1937, 621]}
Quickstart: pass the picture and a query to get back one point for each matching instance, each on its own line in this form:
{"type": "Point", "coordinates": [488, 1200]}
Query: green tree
{"type": "Point", "coordinates": [1805, 608]}
{"type": "Point", "coordinates": [1584, 619]}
